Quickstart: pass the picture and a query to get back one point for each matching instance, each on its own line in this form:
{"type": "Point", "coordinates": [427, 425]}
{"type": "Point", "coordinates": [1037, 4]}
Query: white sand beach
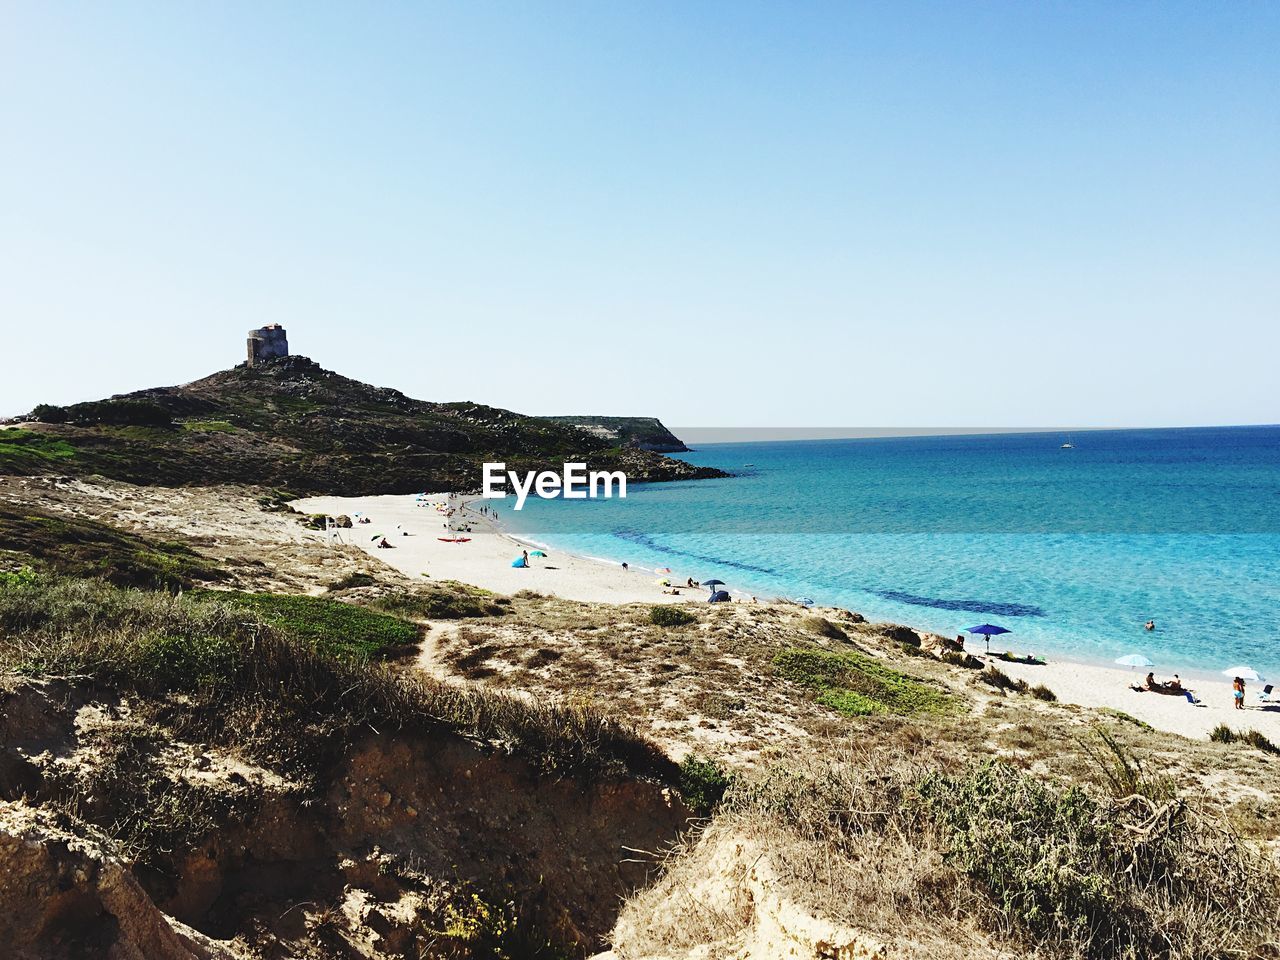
{"type": "Point", "coordinates": [485, 561]}
{"type": "Point", "coordinates": [1092, 685]}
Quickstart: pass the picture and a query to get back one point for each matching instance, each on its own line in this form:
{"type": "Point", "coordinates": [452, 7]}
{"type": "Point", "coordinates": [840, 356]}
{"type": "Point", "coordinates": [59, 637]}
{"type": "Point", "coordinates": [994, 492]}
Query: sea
{"type": "Point", "coordinates": [1070, 549]}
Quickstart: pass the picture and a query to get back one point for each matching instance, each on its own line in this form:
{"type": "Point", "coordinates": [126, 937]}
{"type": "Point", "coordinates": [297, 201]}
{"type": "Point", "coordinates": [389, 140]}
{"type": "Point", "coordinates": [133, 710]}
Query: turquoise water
{"type": "Point", "coordinates": [1072, 550]}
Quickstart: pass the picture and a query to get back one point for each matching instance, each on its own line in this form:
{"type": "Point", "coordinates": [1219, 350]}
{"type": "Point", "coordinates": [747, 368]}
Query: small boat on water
{"type": "Point", "coordinates": [1068, 445]}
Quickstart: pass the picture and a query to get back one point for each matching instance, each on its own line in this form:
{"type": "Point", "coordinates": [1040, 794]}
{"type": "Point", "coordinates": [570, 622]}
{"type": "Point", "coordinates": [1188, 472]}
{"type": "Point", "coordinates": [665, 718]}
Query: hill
{"type": "Point", "coordinates": [289, 423]}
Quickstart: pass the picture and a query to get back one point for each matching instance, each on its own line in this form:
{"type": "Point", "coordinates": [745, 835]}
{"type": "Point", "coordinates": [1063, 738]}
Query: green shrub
{"type": "Point", "coordinates": [130, 412]}
{"type": "Point", "coordinates": [1224, 734]}
{"type": "Point", "coordinates": [662, 616]}
{"type": "Point", "coordinates": [493, 928]}
{"type": "Point", "coordinates": [1124, 772]}
{"type": "Point", "coordinates": [24, 451]}
{"type": "Point", "coordinates": [24, 576]}
{"type": "Point", "coordinates": [1041, 692]}
{"type": "Point", "coordinates": [857, 685]}
{"type": "Point", "coordinates": [331, 626]}
{"type": "Point", "coordinates": [445, 600]}
{"type": "Point", "coordinates": [958, 658]}
{"type": "Point", "coordinates": [183, 662]}
{"type": "Point", "coordinates": [822, 627]}
{"type": "Point", "coordinates": [352, 580]}
{"type": "Point", "coordinates": [995, 677]}
{"type": "Point", "coordinates": [702, 785]}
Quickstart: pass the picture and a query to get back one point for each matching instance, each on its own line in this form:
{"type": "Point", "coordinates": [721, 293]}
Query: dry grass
{"type": "Point", "coordinates": [984, 861]}
{"type": "Point", "coordinates": [220, 674]}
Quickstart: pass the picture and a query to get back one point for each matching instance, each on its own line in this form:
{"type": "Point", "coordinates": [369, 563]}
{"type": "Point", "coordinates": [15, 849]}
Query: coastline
{"type": "Point", "coordinates": [485, 561]}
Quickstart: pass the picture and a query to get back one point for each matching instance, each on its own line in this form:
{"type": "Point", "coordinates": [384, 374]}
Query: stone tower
{"type": "Point", "coordinates": [267, 343]}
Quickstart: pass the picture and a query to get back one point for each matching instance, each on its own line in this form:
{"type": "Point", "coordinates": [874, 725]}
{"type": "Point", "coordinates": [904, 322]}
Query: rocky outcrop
{"type": "Point", "coordinates": [642, 433]}
{"type": "Point", "coordinates": [409, 833]}
{"type": "Point", "coordinates": [66, 897]}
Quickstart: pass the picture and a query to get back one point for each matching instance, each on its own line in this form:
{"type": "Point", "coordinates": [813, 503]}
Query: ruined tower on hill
{"type": "Point", "coordinates": [267, 343]}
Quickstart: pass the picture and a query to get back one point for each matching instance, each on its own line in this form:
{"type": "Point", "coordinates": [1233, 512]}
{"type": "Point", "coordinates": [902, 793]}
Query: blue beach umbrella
{"type": "Point", "coordinates": [988, 630]}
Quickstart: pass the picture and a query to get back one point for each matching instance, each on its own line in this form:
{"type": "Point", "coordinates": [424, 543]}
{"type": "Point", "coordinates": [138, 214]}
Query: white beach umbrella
{"type": "Point", "coordinates": [1244, 673]}
{"type": "Point", "coordinates": [1135, 660]}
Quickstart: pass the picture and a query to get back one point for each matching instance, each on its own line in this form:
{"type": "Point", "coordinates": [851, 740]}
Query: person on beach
{"type": "Point", "coordinates": [1238, 687]}
{"type": "Point", "coordinates": [625, 567]}
{"type": "Point", "coordinates": [525, 554]}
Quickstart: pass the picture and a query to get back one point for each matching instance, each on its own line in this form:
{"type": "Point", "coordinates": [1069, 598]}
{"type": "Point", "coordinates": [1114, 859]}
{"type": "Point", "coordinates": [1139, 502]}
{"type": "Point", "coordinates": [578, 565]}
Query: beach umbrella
{"type": "Point", "coordinates": [712, 584]}
{"type": "Point", "coordinates": [537, 553]}
{"type": "Point", "coordinates": [988, 630]}
{"type": "Point", "coordinates": [662, 570]}
{"type": "Point", "coordinates": [374, 537]}
{"type": "Point", "coordinates": [663, 582]}
{"type": "Point", "coordinates": [1244, 673]}
{"type": "Point", "coordinates": [1135, 660]}
{"type": "Point", "coordinates": [804, 601]}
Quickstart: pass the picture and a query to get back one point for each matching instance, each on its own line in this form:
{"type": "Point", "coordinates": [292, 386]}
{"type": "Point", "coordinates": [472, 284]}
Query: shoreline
{"type": "Point", "coordinates": [485, 561]}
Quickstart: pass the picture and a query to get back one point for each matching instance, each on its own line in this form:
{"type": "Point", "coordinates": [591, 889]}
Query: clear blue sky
{"type": "Point", "coordinates": [723, 214]}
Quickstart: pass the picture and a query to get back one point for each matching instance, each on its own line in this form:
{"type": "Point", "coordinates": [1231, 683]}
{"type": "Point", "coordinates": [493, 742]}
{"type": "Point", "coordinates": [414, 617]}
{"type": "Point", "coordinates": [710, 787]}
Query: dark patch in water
{"type": "Point", "coordinates": [969, 606]}
{"type": "Point", "coordinates": [644, 540]}
{"type": "Point", "coordinates": [992, 607]}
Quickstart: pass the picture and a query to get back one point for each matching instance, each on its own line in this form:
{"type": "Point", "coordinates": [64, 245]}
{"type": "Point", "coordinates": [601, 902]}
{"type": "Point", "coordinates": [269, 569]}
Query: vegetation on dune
{"type": "Point", "coordinates": [481, 926]}
{"type": "Point", "coordinates": [665, 616]}
{"type": "Point", "coordinates": [444, 600]}
{"type": "Point", "coordinates": [1098, 877]}
{"type": "Point", "coordinates": [208, 426]}
{"type": "Point", "coordinates": [77, 546]}
{"type": "Point", "coordinates": [702, 784]}
{"type": "Point", "coordinates": [331, 626]}
{"type": "Point", "coordinates": [822, 627]}
{"type": "Point", "coordinates": [227, 673]}
{"type": "Point", "coordinates": [118, 411]}
{"type": "Point", "coordinates": [858, 685]}
{"type": "Point", "coordinates": [876, 839]}
{"type": "Point", "coordinates": [1224, 734]}
{"type": "Point", "coordinates": [24, 451]}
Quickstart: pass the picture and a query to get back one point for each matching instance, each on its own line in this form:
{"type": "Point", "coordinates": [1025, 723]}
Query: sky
{"type": "Point", "coordinates": [727, 214]}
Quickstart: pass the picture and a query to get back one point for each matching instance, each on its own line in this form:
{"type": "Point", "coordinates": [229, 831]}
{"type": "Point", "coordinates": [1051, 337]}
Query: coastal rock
{"type": "Point", "coordinates": [65, 897]}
